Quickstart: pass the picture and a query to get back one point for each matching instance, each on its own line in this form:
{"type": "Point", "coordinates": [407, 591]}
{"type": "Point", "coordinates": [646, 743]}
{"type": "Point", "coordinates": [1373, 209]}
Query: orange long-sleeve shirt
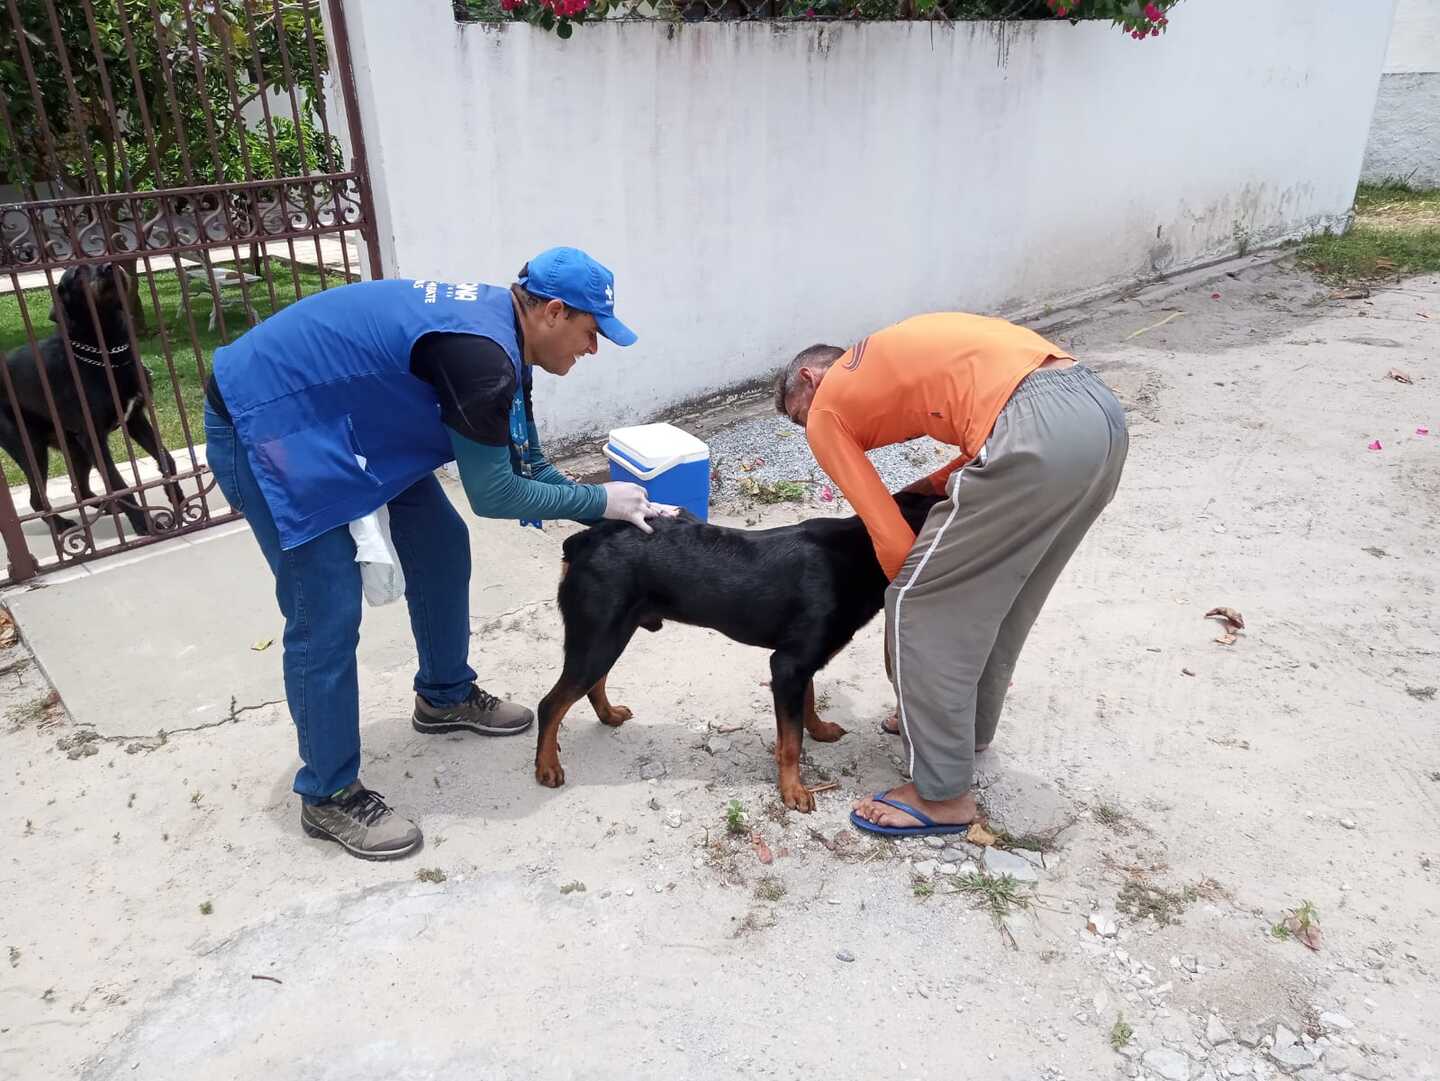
{"type": "Point", "coordinates": [946, 375]}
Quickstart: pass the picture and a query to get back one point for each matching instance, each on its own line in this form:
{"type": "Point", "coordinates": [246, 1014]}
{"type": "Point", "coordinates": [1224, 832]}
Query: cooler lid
{"type": "Point", "coordinates": [651, 445]}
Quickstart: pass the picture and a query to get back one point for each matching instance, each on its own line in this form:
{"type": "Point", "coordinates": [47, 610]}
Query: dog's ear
{"type": "Point", "coordinates": [60, 295]}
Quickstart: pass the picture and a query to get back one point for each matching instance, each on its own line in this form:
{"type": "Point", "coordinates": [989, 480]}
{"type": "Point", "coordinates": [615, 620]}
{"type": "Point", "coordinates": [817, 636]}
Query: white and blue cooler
{"type": "Point", "coordinates": [672, 465]}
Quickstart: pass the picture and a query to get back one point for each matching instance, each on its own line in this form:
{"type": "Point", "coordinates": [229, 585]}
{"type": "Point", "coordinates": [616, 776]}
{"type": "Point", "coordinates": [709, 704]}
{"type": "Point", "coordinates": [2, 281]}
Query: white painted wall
{"type": "Point", "coordinates": [760, 187]}
{"type": "Point", "coordinates": [1405, 133]}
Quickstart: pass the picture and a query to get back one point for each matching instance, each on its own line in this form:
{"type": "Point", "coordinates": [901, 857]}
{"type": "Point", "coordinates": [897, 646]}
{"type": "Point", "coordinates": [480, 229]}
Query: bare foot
{"type": "Point", "coordinates": [951, 812]}
{"type": "Point", "coordinates": [891, 725]}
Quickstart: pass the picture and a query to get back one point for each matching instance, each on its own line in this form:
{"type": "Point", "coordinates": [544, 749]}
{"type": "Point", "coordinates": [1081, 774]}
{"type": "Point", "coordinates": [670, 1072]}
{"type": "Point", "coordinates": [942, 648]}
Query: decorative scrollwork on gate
{"type": "Point", "coordinates": [59, 232]}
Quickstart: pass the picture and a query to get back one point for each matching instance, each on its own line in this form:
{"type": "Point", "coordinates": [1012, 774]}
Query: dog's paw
{"type": "Point", "coordinates": [797, 798]}
{"type": "Point", "coordinates": [826, 732]}
{"type": "Point", "coordinates": [615, 716]}
{"type": "Point", "coordinates": [61, 524]}
{"type": "Point", "coordinates": [550, 774]}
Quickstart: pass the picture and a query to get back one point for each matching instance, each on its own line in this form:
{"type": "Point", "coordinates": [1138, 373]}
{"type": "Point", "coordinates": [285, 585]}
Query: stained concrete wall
{"type": "Point", "coordinates": [757, 187]}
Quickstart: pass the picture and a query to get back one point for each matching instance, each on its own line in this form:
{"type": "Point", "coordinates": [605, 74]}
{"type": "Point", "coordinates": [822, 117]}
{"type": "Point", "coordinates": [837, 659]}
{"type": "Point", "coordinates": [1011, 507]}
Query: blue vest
{"type": "Point", "coordinates": [324, 405]}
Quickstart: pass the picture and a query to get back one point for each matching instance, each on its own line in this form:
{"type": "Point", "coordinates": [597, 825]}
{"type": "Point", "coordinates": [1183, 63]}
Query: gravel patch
{"type": "Point", "coordinates": [769, 450]}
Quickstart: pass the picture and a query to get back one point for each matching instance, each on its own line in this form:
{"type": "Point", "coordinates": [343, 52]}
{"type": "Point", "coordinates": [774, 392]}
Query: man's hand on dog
{"type": "Point", "coordinates": [626, 502]}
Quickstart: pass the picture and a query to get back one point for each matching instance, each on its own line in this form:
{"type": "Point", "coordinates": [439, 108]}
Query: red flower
{"type": "Point", "coordinates": [809, 13]}
{"type": "Point", "coordinates": [1152, 13]}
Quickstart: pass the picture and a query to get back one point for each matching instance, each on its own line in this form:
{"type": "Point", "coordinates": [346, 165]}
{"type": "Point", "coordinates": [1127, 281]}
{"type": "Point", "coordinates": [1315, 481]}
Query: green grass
{"type": "Point", "coordinates": [190, 356]}
{"type": "Point", "coordinates": [997, 894]}
{"type": "Point", "coordinates": [1396, 232]}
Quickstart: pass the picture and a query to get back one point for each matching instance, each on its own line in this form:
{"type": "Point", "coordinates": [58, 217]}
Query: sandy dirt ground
{"type": "Point", "coordinates": [164, 917]}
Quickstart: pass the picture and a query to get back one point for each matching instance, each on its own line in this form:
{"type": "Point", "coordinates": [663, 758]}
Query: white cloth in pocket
{"type": "Point", "coordinates": [380, 573]}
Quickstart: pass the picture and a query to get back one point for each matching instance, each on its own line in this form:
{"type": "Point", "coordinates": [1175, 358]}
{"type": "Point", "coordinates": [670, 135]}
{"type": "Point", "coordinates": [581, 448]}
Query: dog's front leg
{"type": "Point", "coordinates": [132, 510]}
{"type": "Point", "coordinates": [553, 708]}
{"type": "Point", "coordinates": [788, 681]}
{"type": "Point", "coordinates": [143, 432]}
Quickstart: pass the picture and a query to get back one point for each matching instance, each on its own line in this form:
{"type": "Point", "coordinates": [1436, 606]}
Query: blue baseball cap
{"type": "Point", "coordinates": [568, 274]}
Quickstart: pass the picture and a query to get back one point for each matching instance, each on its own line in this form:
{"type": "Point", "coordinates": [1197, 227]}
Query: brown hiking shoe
{"type": "Point", "coordinates": [361, 823]}
{"type": "Point", "coordinates": [481, 712]}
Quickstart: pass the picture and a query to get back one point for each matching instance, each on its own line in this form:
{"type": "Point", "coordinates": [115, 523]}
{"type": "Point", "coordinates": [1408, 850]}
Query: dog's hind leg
{"type": "Point", "coordinates": [789, 678]}
{"type": "Point", "coordinates": [821, 731]}
{"type": "Point", "coordinates": [609, 714]}
{"type": "Point", "coordinates": [590, 653]}
{"type": "Point", "coordinates": [14, 444]}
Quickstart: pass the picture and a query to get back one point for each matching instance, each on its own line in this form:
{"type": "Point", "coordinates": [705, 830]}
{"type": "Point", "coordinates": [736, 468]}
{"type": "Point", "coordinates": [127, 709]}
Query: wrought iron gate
{"type": "Point", "coordinates": [175, 179]}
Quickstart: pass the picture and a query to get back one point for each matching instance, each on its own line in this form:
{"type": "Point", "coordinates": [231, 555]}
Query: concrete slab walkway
{"type": "Point", "coordinates": [167, 637]}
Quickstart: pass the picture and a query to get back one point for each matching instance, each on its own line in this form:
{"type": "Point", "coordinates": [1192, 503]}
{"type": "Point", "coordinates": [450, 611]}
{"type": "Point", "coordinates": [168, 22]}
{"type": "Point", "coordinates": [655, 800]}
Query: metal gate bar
{"type": "Point", "coordinates": [151, 148]}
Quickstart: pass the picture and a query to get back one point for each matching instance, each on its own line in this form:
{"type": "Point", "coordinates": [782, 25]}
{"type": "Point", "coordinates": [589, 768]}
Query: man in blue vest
{"type": "Point", "coordinates": [349, 400]}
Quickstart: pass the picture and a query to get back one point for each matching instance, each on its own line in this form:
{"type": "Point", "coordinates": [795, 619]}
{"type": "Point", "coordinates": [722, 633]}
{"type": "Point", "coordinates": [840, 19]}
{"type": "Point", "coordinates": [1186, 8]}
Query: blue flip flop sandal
{"type": "Point", "coordinates": [928, 827]}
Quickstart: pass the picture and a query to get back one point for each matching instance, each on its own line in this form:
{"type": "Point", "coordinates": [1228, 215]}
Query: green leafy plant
{"type": "Point", "coordinates": [1121, 1033]}
{"type": "Point", "coordinates": [735, 817]}
{"type": "Point", "coordinates": [194, 109]}
{"type": "Point", "coordinates": [1138, 18]}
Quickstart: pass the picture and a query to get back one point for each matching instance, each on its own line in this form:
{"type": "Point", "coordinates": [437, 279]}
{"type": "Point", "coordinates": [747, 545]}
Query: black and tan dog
{"type": "Point", "coordinates": [802, 591]}
{"type": "Point", "coordinates": [26, 407]}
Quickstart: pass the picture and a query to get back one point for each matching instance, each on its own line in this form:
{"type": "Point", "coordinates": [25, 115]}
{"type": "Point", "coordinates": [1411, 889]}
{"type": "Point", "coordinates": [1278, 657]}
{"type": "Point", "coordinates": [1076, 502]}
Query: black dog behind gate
{"type": "Point", "coordinates": [26, 406]}
{"type": "Point", "coordinates": [802, 590]}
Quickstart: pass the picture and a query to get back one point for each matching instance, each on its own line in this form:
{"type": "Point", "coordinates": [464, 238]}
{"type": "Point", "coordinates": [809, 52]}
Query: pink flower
{"type": "Point", "coordinates": [809, 13]}
{"type": "Point", "coordinates": [1152, 13]}
{"type": "Point", "coordinates": [1375, 445]}
{"type": "Point", "coordinates": [1422, 431]}
{"type": "Point", "coordinates": [827, 494]}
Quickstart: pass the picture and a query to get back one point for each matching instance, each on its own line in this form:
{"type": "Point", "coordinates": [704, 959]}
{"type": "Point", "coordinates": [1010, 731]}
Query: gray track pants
{"type": "Point", "coordinates": [960, 609]}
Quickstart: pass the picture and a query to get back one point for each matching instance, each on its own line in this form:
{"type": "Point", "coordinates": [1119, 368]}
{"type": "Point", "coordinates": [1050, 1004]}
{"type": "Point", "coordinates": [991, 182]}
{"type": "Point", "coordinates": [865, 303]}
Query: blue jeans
{"type": "Point", "coordinates": [318, 587]}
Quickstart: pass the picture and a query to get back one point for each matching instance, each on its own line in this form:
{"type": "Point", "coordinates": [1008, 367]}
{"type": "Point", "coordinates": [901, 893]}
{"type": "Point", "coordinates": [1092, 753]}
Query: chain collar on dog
{"type": "Point", "coordinates": [95, 351]}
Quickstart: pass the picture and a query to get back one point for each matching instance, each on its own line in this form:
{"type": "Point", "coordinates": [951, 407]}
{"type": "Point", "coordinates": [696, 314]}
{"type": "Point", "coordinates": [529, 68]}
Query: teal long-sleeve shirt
{"type": "Point", "coordinates": [496, 491]}
{"type": "Point", "coordinates": [474, 381]}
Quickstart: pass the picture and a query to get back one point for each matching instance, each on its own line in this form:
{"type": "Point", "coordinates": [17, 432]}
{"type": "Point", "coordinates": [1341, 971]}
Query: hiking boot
{"type": "Point", "coordinates": [481, 712]}
{"type": "Point", "coordinates": [359, 821]}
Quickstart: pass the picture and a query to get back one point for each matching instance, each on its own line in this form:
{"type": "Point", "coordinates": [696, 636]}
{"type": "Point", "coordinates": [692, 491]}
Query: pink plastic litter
{"type": "Point", "coordinates": [827, 494]}
{"type": "Point", "coordinates": [1422, 430]}
{"type": "Point", "coordinates": [1375, 445]}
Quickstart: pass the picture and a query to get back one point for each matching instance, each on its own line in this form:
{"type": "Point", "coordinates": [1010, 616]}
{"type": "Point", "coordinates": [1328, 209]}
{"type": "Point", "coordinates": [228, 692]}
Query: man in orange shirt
{"type": "Point", "coordinates": [1042, 444]}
